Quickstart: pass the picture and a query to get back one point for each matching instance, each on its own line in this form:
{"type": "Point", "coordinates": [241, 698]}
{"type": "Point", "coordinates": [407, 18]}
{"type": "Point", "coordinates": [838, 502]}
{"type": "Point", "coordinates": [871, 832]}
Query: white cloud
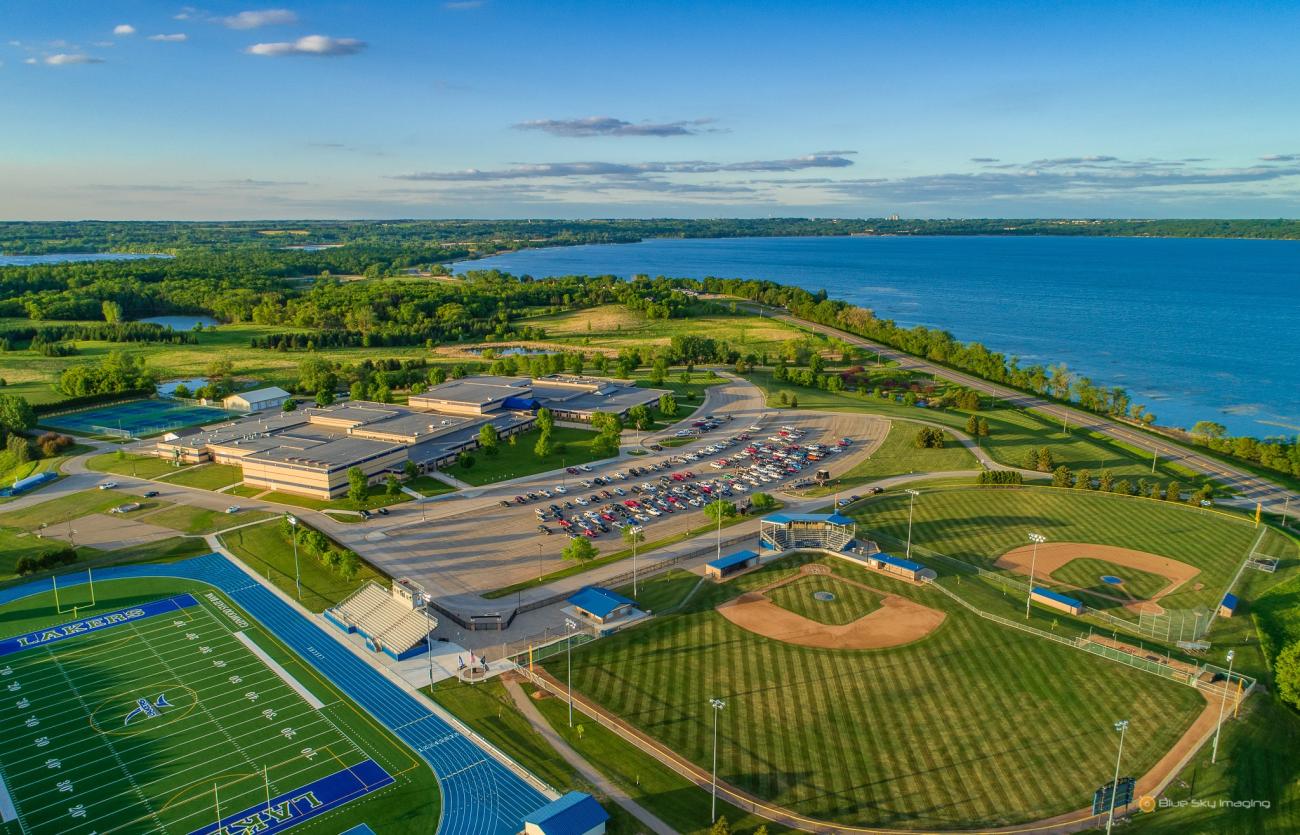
{"type": "Point", "coordinates": [315, 45]}
{"type": "Point", "coordinates": [65, 59]}
{"type": "Point", "coordinates": [260, 18]}
{"type": "Point", "coordinates": [29, 60]}
{"type": "Point", "coordinates": [179, 37]}
{"type": "Point", "coordinates": [123, 29]}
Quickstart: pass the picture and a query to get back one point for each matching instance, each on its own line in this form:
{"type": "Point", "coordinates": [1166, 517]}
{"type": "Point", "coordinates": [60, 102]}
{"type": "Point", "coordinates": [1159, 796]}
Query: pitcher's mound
{"type": "Point", "coordinates": [898, 621]}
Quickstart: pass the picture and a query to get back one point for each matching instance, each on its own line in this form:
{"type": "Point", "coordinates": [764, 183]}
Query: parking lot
{"type": "Point", "coordinates": [502, 541]}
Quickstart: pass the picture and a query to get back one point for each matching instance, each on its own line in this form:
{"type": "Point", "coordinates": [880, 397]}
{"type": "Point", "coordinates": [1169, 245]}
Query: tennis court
{"type": "Point", "coordinates": [137, 418]}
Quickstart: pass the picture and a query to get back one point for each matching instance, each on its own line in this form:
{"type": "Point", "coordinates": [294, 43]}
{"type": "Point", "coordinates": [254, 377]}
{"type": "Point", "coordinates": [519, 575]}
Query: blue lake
{"type": "Point", "coordinates": [71, 257]}
{"type": "Point", "coordinates": [1195, 329]}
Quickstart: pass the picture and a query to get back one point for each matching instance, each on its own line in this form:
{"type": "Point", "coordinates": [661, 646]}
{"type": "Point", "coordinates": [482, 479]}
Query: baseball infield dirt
{"type": "Point", "coordinates": [898, 621]}
{"type": "Point", "coordinates": [1054, 555]}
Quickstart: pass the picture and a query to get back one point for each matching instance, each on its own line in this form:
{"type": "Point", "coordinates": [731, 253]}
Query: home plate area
{"type": "Point", "coordinates": [164, 717]}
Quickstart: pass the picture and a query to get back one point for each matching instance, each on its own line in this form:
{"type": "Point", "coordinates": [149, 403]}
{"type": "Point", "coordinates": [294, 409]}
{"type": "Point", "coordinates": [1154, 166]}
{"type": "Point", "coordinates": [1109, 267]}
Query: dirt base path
{"type": "Point", "coordinates": [1055, 555]}
{"type": "Point", "coordinates": [898, 621]}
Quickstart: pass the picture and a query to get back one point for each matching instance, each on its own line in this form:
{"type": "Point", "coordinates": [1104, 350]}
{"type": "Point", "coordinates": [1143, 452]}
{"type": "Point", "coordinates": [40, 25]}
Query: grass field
{"type": "Point", "coordinates": [947, 731]}
{"type": "Point", "coordinates": [519, 460]}
{"type": "Point", "coordinates": [207, 476]}
{"type": "Point", "coordinates": [899, 455]}
{"type": "Point", "coordinates": [1086, 574]}
{"type": "Point", "coordinates": [65, 508]}
{"type": "Point", "coordinates": [197, 520]}
{"type": "Point", "coordinates": [125, 463]}
{"type": "Point", "coordinates": [1013, 434]}
{"type": "Point", "coordinates": [149, 723]}
{"type": "Point", "coordinates": [266, 550]}
{"type": "Point", "coordinates": [429, 486]}
{"type": "Point", "coordinates": [850, 603]}
{"type": "Point", "coordinates": [977, 525]}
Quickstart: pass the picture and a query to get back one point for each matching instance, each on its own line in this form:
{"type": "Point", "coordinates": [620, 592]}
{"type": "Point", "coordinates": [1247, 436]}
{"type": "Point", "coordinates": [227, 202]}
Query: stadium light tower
{"type": "Point", "coordinates": [910, 502]}
{"type": "Point", "coordinates": [571, 626]}
{"type": "Point", "coordinates": [1037, 539]}
{"type": "Point", "coordinates": [1227, 685]}
{"type": "Point", "coordinates": [717, 705]}
{"type": "Point", "coordinates": [1122, 727]}
{"type": "Point", "coordinates": [293, 534]}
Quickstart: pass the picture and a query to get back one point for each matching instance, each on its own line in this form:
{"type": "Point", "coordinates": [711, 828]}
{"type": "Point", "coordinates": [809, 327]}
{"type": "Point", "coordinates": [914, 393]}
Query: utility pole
{"type": "Point", "coordinates": [717, 705]}
{"type": "Point", "coordinates": [1037, 539]}
{"type": "Point", "coordinates": [910, 502]}
{"type": "Point", "coordinates": [571, 626]}
{"type": "Point", "coordinates": [1122, 727]}
{"type": "Point", "coordinates": [293, 534]}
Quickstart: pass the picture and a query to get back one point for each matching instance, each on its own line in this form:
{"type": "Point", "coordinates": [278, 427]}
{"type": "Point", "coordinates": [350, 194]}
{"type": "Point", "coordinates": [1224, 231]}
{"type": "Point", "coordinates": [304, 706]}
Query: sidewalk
{"type": "Point", "coordinates": [573, 758]}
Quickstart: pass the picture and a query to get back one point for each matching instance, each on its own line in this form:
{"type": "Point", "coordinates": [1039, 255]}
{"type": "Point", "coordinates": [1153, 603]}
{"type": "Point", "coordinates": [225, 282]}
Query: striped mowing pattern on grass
{"type": "Point", "coordinates": [977, 525]}
{"type": "Point", "coordinates": [976, 725]}
{"type": "Point", "coordinates": [850, 602]}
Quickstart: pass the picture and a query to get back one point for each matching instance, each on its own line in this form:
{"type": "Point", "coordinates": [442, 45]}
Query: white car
{"type": "Point", "coordinates": [108, 485]}
{"type": "Point", "coordinates": [560, 488]}
{"type": "Point", "coordinates": [234, 508]}
{"type": "Point", "coordinates": [586, 468]}
{"type": "Point", "coordinates": [580, 500]}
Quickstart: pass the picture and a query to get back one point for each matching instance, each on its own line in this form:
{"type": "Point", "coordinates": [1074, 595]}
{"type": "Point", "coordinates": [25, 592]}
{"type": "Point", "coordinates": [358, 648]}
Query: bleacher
{"type": "Point", "coordinates": [788, 531]}
{"type": "Point", "coordinates": [390, 625]}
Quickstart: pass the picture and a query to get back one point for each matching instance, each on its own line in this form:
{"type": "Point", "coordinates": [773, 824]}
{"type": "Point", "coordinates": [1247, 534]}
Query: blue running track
{"type": "Point", "coordinates": [480, 796]}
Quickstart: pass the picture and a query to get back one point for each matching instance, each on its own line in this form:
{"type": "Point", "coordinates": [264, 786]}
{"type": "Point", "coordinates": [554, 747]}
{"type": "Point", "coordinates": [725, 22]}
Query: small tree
{"type": "Point", "coordinates": [929, 437]}
{"type": "Point", "coordinates": [410, 470]}
{"type": "Point", "coordinates": [1286, 674]}
{"type": "Point", "coordinates": [357, 484]}
{"type": "Point", "coordinates": [720, 827]}
{"type": "Point", "coordinates": [324, 397]}
{"type": "Point", "coordinates": [543, 448]}
{"type": "Point", "coordinates": [288, 405]}
{"type": "Point", "coordinates": [1083, 481]}
{"type": "Point", "coordinates": [668, 404]}
{"type": "Point", "coordinates": [639, 416]}
{"type": "Point", "coordinates": [465, 460]}
{"type": "Point", "coordinates": [579, 550]}
{"type": "Point", "coordinates": [719, 509]}
{"type": "Point", "coordinates": [1061, 476]}
{"type": "Point", "coordinates": [545, 420]}
{"type": "Point", "coordinates": [794, 401]}
{"type": "Point", "coordinates": [1107, 483]}
{"type": "Point", "coordinates": [1174, 491]}
{"type": "Point", "coordinates": [488, 439]}
{"type": "Point", "coordinates": [392, 486]}
{"type": "Point", "coordinates": [762, 502]}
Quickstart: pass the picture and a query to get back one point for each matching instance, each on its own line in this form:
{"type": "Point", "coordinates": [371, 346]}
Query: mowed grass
{"type": "Point", "coordinates": [66, 508]}
{"type": "Point", "coordinates": [266, 550]}
{"type": "Point", "coordinates": [125, 463]}
{"type": "Point", "coordinates": [949, 731]}
{"type": "Point", "coordinates": [160, 772]}
{"type": "Point", "coordinates": [199, 520]}
{"type": "Point", "coordinates": [1087, 573]}
{"type": "Point", "coordinates": [898, 455]}
{"type": "Point", "coordinates": [976, 525]}
{"type": "Point", "coordinates": [850, 602]}
{"type": "Point", "coordinates": [207, 476]}
{"type": "Point", "coordinates": [514, 461]}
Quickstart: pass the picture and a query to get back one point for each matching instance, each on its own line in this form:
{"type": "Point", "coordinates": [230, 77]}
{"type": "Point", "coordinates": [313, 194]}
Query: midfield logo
{"type": "Point", "coordinates": [146, 709]}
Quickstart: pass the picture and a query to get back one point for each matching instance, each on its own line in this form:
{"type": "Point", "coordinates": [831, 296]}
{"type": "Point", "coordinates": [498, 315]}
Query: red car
{"type": "Point", "coordinates": [591, 533]}
{"type": "Point", "coordinates": [632, 503]}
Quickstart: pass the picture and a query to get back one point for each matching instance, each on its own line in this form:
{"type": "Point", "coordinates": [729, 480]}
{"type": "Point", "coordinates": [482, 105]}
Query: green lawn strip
{"type": "Point", "coordinates": [429, 486]}
{"type": "Point", "coordinates": [244, 492]}
{"type": "Point", "coordinates": [69, 507]}
{"type": "Point", "coordinates": [175, 762]}
{"type": "Point", "coordinates": [198, 520]}
{"type": "Point", "coordinates": [665, 793]}
{"type": "Point", "coordinates": [518, 459]}
{"type": "Point", "coordinates": [1013, 433]}
{"type": "Point", "coordinates": [1086, 574]}
{"type": "Point", "coordinates": [161, 550]}
{"type": "Point", "coordinates": [16, 543]}
{"type": "Point", "coordinates": [976, 525]}
{"type": "Point", "coordinates": [898, 455]}
{"type": "Point", "coordinates": [208, 476]}
{"type": "Point", "coordinates": [643, 550]}
{"type": "Point", "coordinates": [850, 602]}
{"type": "Point", "coordinates": [124, 463]}
{"type": "Point", "coordinates": [376, 496]}
{"type": "Point", "coordinates": [269, 552]}
{"type": "Point", "coordinates": [792, 731]}
{"type": "Point", "coordinates": [661, 592]}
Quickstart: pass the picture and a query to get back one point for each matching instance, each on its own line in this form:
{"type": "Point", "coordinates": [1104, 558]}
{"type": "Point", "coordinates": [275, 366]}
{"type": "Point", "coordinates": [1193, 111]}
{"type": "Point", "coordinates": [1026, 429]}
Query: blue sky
{"type": "Point", "coordinates": [568, 109]}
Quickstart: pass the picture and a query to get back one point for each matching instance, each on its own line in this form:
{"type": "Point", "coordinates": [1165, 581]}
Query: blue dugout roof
{"type": "Point", "coordinates": [897, 561]}
{"type": "Point", "coordinates": [598, 601]}
{"type": "Point", "coordinates": [1059, 598]}
{"type": "Point", "coordinates": [1229, 601]}
{"type": "Point", "coordinates": [737, 558]}
{"type": "Point", "coordinates": [786, 518]}
{"type": "Point", "coordinates": [573, 814]}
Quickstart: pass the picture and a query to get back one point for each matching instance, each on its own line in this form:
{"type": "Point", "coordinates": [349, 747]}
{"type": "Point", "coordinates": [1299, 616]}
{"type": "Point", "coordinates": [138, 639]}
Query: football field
{"type": "Point", "coordinates": [170, 715]}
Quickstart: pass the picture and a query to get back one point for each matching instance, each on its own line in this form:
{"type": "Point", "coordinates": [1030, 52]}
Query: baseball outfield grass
{"type": "Point", "coordinates": [1086, 574]}
{"type": "Point", "coordinates": [976, 725]}
{"type": "Point", "coordinates": [976, 525]}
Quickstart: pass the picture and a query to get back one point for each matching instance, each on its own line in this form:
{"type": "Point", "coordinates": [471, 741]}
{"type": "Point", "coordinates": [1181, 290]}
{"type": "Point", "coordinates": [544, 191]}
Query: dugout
{"type": "Point", "coordinates": [731, 564]}
{"type": "Point", "coordinates": [600, 605]}
{"type": "Point", "coordinates": [1053, 600]}
{"type": "Point", "coordinates": [897, 566]}
{"type": "Point", "coordinates": [1228, 607]}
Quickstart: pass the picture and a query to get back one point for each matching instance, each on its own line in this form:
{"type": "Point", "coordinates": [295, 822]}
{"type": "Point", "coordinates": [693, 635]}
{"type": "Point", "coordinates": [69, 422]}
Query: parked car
{"type": "Point", "coordinates": [149, 494]}
{"type": "Point", "coordinates": [383, 511]}
{"type": "Point", "coordinates": [234, 508]}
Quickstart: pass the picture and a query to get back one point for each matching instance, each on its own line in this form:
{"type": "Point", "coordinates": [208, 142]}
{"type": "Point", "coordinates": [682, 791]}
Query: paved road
{"type": "Point", "coordinates": [1252, 488]}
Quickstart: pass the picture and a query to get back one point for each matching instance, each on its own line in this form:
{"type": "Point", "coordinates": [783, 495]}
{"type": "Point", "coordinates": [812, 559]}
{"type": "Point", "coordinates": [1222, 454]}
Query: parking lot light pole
{"type": "Point", "coordinates": [569, 663]}
{"type": "Point", "coordinates": [1037, 539]}
{"type": "Point", "coordinates": [717, 705]}
{"type": "Point", "coordinates": [1218, 727]}
{"type": "Point", "coordinates": [293, 534]}
{"type": "Point", "coordinates": [1122, 727]}
{"type": "Point", "coordinates": [910, 502]}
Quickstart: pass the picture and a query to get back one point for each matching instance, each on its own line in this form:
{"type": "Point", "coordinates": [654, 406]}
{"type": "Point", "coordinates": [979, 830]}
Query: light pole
{"type": "Point", "coordinates": [1122, 727]}
{"type": "Point", "coordinates": [293, 534]}
{"type": "Point", "coordinates": [568, 649]}
{"type": "Point", "coordinates": [539, 562]}
{"type": "Point", "coordinates": [717, 705]}
{"type": "Point", "coordinates": [429, 640]}
{"type": "Point", "coordinates": [1037, 539]}
{"type": "Point", "coordinates": [1227, 685]}
{"type": "Point", "coordinates": [910, 503]}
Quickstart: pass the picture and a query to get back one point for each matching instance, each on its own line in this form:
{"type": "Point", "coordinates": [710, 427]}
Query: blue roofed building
{"type": "Point", "coordinates": [1056, 600]}
{"type": "Point", "coordinates": [576, 813]}
{"type": "Point", "coordinates": [1228, 607]}
{"type": "Point", "coordinates": [731, 564]}
{"type": "Point", "coordinates": [601, 606]}
{"type": "Point", "coordinates": [31, 482]}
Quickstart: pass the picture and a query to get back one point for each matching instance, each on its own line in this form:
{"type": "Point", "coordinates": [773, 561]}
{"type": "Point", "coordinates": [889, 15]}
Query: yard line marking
{"type": "Point", "coordinates": [280, 671]}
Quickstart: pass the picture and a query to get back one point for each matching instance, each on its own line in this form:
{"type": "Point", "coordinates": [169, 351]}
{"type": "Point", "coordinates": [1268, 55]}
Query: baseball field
{"type": "Point", "coordinates": [972, 725]}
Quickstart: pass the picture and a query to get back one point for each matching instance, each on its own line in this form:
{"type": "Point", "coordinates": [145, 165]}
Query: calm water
{"type": "Point", "coordinates": [182, 323]}
{"type": "Point", "coordinates": [67, 257]}
{"type": "Point", "coordinates": [1194, 329]}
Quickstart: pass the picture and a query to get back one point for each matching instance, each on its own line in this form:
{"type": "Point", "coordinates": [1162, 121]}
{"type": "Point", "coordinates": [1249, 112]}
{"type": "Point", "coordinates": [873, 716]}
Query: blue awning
{"type": "Point", "coordinates": [738, 558]}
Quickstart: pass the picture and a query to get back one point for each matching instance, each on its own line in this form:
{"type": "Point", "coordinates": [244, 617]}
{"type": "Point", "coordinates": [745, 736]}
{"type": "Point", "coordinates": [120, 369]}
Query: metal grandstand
{"type": "Point", "coordinates": [787, 531]}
